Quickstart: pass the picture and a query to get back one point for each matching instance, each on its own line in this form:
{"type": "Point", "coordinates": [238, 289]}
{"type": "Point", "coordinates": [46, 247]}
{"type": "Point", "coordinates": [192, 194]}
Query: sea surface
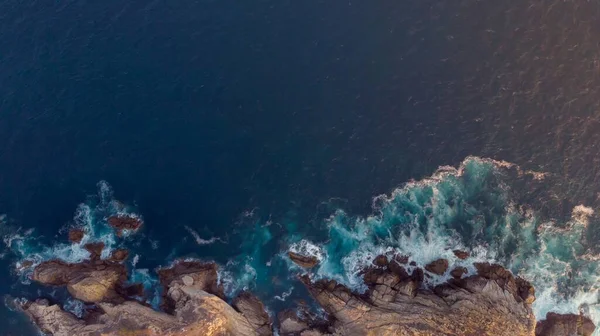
{"type": "Point", "coordinates": [241, 129]}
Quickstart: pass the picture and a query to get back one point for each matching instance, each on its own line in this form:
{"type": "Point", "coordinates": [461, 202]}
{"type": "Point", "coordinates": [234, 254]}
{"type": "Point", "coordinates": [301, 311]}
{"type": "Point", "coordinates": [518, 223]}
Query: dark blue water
{"type": "Point", "coordinates": [200, 112]}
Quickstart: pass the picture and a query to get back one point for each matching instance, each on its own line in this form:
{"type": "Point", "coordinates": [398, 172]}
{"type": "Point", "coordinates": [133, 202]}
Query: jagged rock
{"type": "Point", "coordinates": [461, 254]}
{"type": "Point", "coordinates": [254, 311]}
{"type": "Point", "coordinates": [519, 288]}
{"type": "Point", "coordinates": [458, 272]}
{"type": "Point", "coordinates": [394, 306]}
{"type": "Point", "coordinates": [196, 312]}
{"type": "Point", "coordinates": [204, 276]}
{"type": "Point", "coordinates": [438, 267]}
{"type": "Point", "coordinates": [565, 325]}
{"type": "Point", "coordinates": [492, 302]}
{"type": "Point", "coordinates": [302, 260]}
{"type": "Point", "coordinates": [120, 223]}
{"type": "Point", "coordinates": [85, 281]}
{"type": "Point", "coordinates": [76, 235]}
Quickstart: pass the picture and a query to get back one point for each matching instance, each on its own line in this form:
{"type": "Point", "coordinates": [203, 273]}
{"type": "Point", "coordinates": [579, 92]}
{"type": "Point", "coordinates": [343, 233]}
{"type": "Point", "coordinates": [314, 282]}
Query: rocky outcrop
{"type": "Point", "coordinates": [194, 310]}
{"type": "Point", "coordinates": [121, 223]}
{"type": "Point", "coordinates": [254, 311]}
{"type": "Point", "coordinates": [76, 235]}
{"type": "Point", "coordinates": [303, 260]}
{"type": "Point", "coordinates": [565, 325]}
{"type": "Point", "coordinates": [87, 281]}
{"type": "Point", "coordinates": [119, 255]}
{"type": "Point", "coordinates": [194, 274]}
{"type": "Point", "coordinates": [396, 302]}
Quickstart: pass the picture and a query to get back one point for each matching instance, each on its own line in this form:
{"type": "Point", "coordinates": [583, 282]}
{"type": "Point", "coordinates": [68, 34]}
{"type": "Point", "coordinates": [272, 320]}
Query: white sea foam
{"type": "Point", "coordinates": [284, 295]}
{"type": "Point", "coordinates": [307, 248]}
{"type": "Point", "coordinates": [199, 240]}
{"type": "Point", "coordinates": [75, 307]}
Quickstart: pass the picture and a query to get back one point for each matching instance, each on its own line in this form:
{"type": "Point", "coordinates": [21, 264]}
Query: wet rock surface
{"type": "Point", "coordinates": [121, 223]}
{"type": "Point", "coordinates": [438, 267]}
{"type": "Point", "coordinates": [302, 260]}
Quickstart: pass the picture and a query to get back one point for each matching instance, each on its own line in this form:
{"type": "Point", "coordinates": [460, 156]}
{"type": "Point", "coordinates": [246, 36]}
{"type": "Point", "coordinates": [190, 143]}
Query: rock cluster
{"type": "Point", "coordinates": [491, 302]}
{"type": "Point", "coordinates": [190, 289]}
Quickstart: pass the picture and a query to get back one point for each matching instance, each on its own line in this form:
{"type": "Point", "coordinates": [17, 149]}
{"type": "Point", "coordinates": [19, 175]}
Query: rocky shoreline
{"type": "Point", "coordinates": [491, 302]}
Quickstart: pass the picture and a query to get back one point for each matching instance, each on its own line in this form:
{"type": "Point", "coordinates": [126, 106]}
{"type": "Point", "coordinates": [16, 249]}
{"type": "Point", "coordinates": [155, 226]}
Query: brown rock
{"type": "Point", "coordinates": [119, 255]}
{"type": "Point", "coordinates": [471, 306]}
{"type": "Point", "coordinates": [398, 269]}
{"type": "Point", "coordinates": [458, 272]}
{"type": "Point", "coordinates": [86, 281]}
{"type": "Point", "coordinates": [76, 235]}
{"type": "Point", "coordinates": [204, 277]}
{"type": "Point", "coordinates": [380, 261]}
{"type": "Point", "coordinates": [95, 249]}
{"type": "Point", "coordinates": [302, 260]}
{"type": "Point", "coordinates": [519, 288]}
{"type": "Point", "coordinates": [195, 312]}
{"type": "Point", "coordinates": [120, 223]}
{"type": "Point", "coordinates": [254, 311]}
{"type": "Point", "coordinates": [438, 267]}
{"type": "Point", "coordinates": [565, 325]}
{"type": "Point", "coordinates": [461, 254]}
{"type": "Point", "coordinates": [303, 322]}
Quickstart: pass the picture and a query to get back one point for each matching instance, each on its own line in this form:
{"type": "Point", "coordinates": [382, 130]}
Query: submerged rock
{"type": "Point", "coordinates": [302, 260]}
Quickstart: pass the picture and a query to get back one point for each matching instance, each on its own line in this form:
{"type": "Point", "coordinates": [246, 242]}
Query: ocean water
{"type": "Point", "coordinates": [239, 130]}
